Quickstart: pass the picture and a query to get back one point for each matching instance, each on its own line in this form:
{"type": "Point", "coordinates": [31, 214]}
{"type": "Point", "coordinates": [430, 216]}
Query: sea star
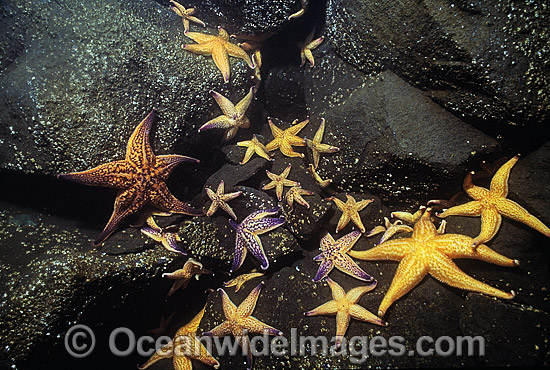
{"type": "Point", "coordinates": [184, 275]}
{"type": "Point", "coordinates": [294, 194]}
{"type": "Point", "coordinates": [169, 240]}
{"type": "Point", "coordinates": [233, 116]}
{"type": "Point", "coordinates": [140, 177]}
{"type": "Point", "coordinates": [241, 279]}
{"type": "Point", "coordinates": [284, 139]}
{"type": "Point", "coordinates": [307, 46]}
{"type": "Point", "coordinates": [219, 200]}
{"type": "Point", "coordinates": [279, 182]}
{"type": "Point", "coordinates": [345, 306]}
{"type": "Point", "coordinates": [350, 210]}
{"type": "Point", "coordinates": [219, 47]}
{"type": "Point", "coordinates": [184, 347]}
{"type": "Point", "coordinates": [492, 204]}
{"type": "Point", "coordinates": [334, 253]}
{"type": "Point", "coordinates": [239, 322]}
{"type": "Point", "coordinates": [428, 252]}
{"type": "Point", "coordinates": [247, 236]}
{"type": "Point", "coordinates": [254, 146]}
{"type": "Point", "coordinates": [389, 229]}
{"type": "Point", "coordinates": [317, 147]}
{"type": "Point", "coordinates": [185, 14]}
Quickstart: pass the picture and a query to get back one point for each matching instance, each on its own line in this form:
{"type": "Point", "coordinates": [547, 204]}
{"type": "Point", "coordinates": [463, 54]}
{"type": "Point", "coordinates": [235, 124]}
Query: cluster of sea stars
{"type": "Point", "coordinates": [141, 178]}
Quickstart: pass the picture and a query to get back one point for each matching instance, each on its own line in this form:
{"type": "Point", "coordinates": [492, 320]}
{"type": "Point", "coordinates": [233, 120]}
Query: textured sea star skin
{"type": "Point", "coordinates": [294, 194]}
{"type": "Point", "coordinates": [317, 147]}
{"type": "Point", "coordinates": [185, 14]}
{"type": "Point", "coordinates": [307, 46]}
{"type": "Point", "coordinates": [233, 116]}
{"type": "Point", "coordinates": [254, 146]}
{"type": "Point", "coordinates": [140, 177]}
{"type": "Point", "coordinates": [492, 204]}
{"type": "Point", "coordinates": [219, 200]}
{"type": "Point", "coordinates": [238, 321]}
{"type": "Point", "coordinates": [285, 139]}
{"type": "Point", "coordinates": [322, 183]}
{"type": "Point", "coordinates": [241, 279]}
{"type": "Point", "coordinates": [184, 275]}
{"type": "Point", "coordinates": [184, 347]}
{"type": "Point", "coordinates": [350, 211]}
{"type": "Point", "coordinates": [428, 252]}
{"type": "Point", "coordinates": [345, 306]}
{"type": "Point", "coordinates": [299, 13]}
{"type": "Point", "coordinates": [247, 236]}
{"type": "Point", "coordinates": [279, 182]}
{"type": "Point", "coordinates": [219, 47]}
{"type": "Point", "coordinates": [334, 253]}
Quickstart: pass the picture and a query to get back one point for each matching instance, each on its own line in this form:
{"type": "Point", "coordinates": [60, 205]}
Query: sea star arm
{"type": "Point", "coordinates": [254, 245]}
{"type": "Point", "coordinates": [225, 328]}
{"type": "Point", "coordinates": [162, 353]}
{"type": "Point", "coordinates": [473, 208]}
{"type": "Point", "coordinates": [475, 192]}
{"type": "Point", "coordinates": [115, 174]}
{"type": "Point", "coordinates": [221, 59]}
{"type": "Point", "coordinates": [490, 223]}
{"type": "Point", "coordinates": [164, 200]}
{"type": "Point", "coordinates": [243, 105]}
{"type": "Point", "coordinates": [499, 182]}
{"type": "Point", "coordinates": [253, 325]}
{"type": "Point", "coordinates": [166, 163]}
{"type": "Point", "coordinates": [445, 270]}
{"type": "Point", "coordinates": [227, 107]}
{"type": "Point", "coordinates": [511, 209]}
{"type": "Point", "coordinates": [324, 269]}
{"type": "Point", "coordinates": [264, 225]}
{"type": "Point", "coordinates": [327, 308]}
{"type": "Point", "coordinates": [356, 293]}
{"type": "Point", "coordinates": [126, 203]}
{"type": "Point", "coordinates": [393, 250]}
{"type": "Point", "coordinates": [286, 149]}
{"type": "Point", "coordinates": [247, 306]}
{"type": "Point", "coordinates": [240, 249]}
{"type": "Point", "coordinates": [460, 246]}
{"type": "Point", "coordinates": [410, 272]}
{"type": "Point", "coordinates": [345, 264]}
{"type": "Point", "coordinates": [200, 38]}
{"type": "Point", "coordinates": [342, 323]}
{"type": "Point", "coordinates": [201, 49]}
{"type": "Point", "coordinates": [363, 314]}
{"type": "Point", "coordinates": [338, 293]}
{"type": "Point", "coordinates": [295, 128]}
{"type": "Point", "coordinates": [218, 122]}
{"type": "Point", "coordinates": [138, 150]}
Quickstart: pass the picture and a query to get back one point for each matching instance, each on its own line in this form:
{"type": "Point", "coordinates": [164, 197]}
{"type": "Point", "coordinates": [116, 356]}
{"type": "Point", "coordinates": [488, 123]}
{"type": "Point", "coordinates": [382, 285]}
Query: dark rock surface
{"type": "Point", "coordinates": [479, 59]}
{"type": "Point", "coordinates": [89, 72]}
{"type": "Point", "coordinates": [393, 137]}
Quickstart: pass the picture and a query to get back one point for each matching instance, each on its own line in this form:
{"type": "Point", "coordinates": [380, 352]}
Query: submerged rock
{"type": "Point", "coordinates": [90, 71]}
{"type": "Point", "coordinates": [481, 60]}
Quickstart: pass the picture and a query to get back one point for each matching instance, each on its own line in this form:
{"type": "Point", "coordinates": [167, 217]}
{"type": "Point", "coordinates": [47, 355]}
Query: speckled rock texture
{"type": "Point", "coordinates": [86, 73]}
{"type": "Point", "coordinates": [482, 60]}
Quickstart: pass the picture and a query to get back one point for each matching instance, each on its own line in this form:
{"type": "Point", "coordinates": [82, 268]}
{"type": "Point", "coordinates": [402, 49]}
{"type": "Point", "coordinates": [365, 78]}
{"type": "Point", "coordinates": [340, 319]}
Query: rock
{"type": "Point", "coordinates": [53, 278]}
{"type": "Point", "coordinates": [393, 139]}
{"type": "Point", "coordinates": [244, 16]}
{"type": "Point", "coordinates": [89, 72]}
{"type": "Point", "coordinates": [479, 60]}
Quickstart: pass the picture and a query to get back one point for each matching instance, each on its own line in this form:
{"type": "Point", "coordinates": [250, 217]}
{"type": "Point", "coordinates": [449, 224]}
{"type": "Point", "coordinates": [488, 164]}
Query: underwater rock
{"type": "Point", "coordinates": [90, 71]}
{"type": "Point", "coordinates": [53, 278]}
{"type": "Point", "coordinates": [481, 60]}
{"type": "Point", "coordinates": [244, 16]}
{"type": "Point", "coordinates": [392, 137]}
{"type": "Point", "coordinates": [212, 240]}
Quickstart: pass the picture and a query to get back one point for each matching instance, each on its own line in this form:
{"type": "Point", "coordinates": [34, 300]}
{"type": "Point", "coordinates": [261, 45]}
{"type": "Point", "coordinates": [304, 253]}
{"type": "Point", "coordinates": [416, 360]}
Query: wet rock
{"type": "Point", "coordinates": [53, 278]}
{"type": "Point", "coordinates": [393, 138]}
{"type": "Point", "coordinates": [244, 16]}
{"type": "Point", "coordinates": [213, 239]}
{"type": "Point", "coordinates": [89, 72]}
{"type": "Point", "coordinates": [479, 60]}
